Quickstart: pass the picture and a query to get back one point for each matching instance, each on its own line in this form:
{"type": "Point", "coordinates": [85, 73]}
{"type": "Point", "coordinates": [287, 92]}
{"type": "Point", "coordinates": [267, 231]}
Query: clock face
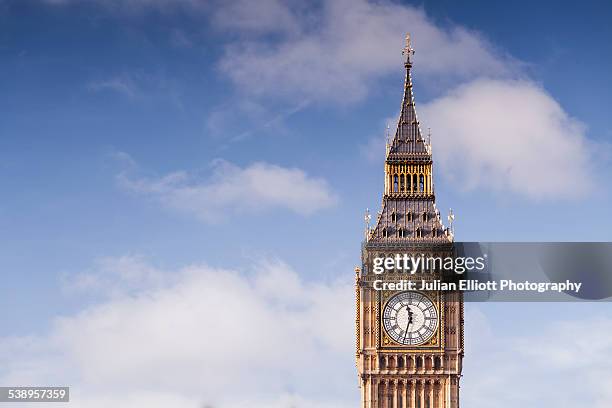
{"type": "Point", "coordinates": [410, 318]}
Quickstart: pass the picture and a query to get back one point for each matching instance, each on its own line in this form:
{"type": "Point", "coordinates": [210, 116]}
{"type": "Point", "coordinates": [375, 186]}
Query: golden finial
{"type": "Point", "coordinates": [407, 51]}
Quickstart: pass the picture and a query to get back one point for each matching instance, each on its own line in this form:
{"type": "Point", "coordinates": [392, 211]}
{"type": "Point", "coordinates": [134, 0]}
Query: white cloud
{"type": "Point", "coordinates": [193, 341]}
{"type": "Point", "coordinates": [255, 188]}
{"type": "Point", "coordinates": [551, 361]}
{"type": "Point", "coordinates": [338, 51]}
{"type": "Point", "coordinates": [509, 135]}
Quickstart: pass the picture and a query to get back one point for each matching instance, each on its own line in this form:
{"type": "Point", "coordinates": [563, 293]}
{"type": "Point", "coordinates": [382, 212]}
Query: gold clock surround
{"type": "Point", "coordinates": [386, 343]}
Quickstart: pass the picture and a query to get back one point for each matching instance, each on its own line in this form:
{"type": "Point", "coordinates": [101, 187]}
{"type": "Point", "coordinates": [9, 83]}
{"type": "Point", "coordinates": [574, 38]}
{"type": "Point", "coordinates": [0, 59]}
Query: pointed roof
{"type": "Point", "coordinates": [408, 218]}
{"type": "Point", "coordinates": [408, 141]}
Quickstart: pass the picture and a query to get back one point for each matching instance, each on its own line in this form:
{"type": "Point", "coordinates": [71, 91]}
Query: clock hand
{"type": "Point", "coordinates": [409, 322]}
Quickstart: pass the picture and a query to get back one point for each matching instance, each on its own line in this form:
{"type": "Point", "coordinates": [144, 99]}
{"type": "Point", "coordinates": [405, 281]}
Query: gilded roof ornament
{"type": "Point", "coordinates": [408, 51]}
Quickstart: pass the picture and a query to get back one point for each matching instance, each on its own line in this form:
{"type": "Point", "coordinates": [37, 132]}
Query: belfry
{"type": "Point", "coordinates": [409, 344]}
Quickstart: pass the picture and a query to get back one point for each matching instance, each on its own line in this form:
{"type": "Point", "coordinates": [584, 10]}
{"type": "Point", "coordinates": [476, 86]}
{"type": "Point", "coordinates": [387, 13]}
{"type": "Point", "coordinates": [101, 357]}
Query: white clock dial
{"type": "Point", "coordinates": [410, 318]}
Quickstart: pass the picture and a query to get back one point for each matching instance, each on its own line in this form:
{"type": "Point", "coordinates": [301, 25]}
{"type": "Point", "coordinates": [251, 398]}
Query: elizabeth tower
{"type": "Point", "coordinates": [409, 342]}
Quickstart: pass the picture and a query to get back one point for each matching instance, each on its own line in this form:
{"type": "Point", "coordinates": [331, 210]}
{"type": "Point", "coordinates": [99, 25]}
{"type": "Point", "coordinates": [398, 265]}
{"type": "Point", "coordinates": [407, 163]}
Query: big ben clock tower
{"type": "Point", "coordinates": [409, 342]}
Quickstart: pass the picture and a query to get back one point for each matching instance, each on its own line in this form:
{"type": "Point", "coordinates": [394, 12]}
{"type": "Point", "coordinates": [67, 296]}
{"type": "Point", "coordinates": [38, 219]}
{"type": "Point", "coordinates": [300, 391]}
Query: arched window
{"type": "Point", "coordinates": [393, 217]}
{"type": "Point", "coordinates": [425, 216]}
{"type": "Point", "coordinates": [401, 233]}
{"type": "Point", "coordinates": [419, 233]}
{"type": "Point", "coordinates": [409, 216]}
{"type": "Point", "coordinates": [419, 362]}
{"type": "Point", "coordinates": [400, 362]}
{"type": "Point", "coordinates": [402, 185]}
{"type": "Point", "coordinates": [381, 362]}
{"type": "Point", "coordinates": [385, 233]}
{"type": "Point", "coordinates": [421, 183]}
{"type": "Point", "coordinates": [395, 183]}
{"type": "Point", "coordinates": [434, 232]}
{"type": "Point", "coordinates": [414, 183]}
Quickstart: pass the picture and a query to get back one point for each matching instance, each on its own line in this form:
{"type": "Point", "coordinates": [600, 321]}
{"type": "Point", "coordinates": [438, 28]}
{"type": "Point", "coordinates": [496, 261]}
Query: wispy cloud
{"type": "Point", "coordinates": [117, 276]}
{"type": "Point", "coordinates": [123, 84]}
{"type": "Point", "coordinates": [141, 86]}
{"type": "Point", "coordinates": [259, 18]}
{"type": "Point", "coordinates": [255, 188]}
{"type": "Point", "coordinates": [256, 119]}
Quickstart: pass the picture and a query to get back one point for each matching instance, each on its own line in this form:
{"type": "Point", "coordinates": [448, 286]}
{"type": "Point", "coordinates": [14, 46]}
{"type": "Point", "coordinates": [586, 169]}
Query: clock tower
{"type": "Point", "coordinates": [409, 342]}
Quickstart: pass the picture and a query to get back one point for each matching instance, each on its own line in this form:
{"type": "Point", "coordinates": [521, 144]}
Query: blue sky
{"type": "Point", "coordinates": [143, 138]}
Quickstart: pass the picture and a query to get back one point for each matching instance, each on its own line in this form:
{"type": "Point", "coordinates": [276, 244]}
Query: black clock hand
{"type": "Point", "coordinates": [409, 322]}
{"type": "Point", "coordinates": [409, 314]}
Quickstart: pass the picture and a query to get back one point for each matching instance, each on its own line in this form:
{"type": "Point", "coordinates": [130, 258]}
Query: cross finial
{"type": "Point", "coordinates": [408, 51]}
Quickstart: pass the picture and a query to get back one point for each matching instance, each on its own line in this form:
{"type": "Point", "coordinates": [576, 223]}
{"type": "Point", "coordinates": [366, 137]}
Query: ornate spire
{"type": "Point", "coordinates": [409, 213]}
{"type": "Point", "coordinates": [408, 141]}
